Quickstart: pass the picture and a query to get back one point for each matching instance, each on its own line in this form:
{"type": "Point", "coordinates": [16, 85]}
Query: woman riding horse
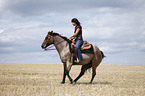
{"type": "Point", "coordinates": [88, 60]}
{"type": "Point", "coordinates": [78, 37]}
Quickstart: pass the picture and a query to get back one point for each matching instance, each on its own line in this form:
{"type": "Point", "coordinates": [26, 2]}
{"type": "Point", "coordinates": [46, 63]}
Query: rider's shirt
{"type": "Point", "coordinates": [79, 35]}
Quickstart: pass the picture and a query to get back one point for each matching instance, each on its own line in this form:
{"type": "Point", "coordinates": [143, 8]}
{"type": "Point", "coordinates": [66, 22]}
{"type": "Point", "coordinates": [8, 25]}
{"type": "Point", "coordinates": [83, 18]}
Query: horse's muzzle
{"type": "Point", "coordinates": [43, 46]}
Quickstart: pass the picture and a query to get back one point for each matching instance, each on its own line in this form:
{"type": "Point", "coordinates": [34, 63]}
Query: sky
{"type": "Point", "coordinates": [117, 27]}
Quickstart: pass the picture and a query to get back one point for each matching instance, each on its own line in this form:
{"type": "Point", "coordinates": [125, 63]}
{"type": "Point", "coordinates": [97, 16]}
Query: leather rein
{"type": "Point", "coordinates": [53, 46]}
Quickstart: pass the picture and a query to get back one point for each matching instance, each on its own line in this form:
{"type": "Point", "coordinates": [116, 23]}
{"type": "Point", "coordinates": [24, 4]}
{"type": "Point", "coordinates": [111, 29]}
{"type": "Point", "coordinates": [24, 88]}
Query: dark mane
{"type": "Point", "coordinates": [54, 34]}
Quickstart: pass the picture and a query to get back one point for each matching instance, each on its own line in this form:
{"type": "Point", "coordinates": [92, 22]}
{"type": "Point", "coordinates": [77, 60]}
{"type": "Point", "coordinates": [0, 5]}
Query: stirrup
{"type": "Point", "coordinates": [77, 61]}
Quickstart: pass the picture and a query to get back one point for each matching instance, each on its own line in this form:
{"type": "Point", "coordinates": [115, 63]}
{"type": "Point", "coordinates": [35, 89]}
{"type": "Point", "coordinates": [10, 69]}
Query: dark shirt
{"type": "Point", "coordinates": [79, 35]}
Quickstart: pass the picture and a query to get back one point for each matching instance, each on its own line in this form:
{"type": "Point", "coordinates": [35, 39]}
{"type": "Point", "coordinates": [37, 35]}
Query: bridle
{"type": "Point", "coordinates": [53, 45]}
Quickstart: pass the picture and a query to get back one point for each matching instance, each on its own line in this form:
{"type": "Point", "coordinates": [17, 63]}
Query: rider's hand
{"type": "Point", "coordinates": [71, 38]}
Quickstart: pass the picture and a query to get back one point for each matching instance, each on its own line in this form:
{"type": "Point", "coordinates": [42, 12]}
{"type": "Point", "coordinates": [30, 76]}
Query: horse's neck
{"type": "Point", "coordinates": [60, 44]}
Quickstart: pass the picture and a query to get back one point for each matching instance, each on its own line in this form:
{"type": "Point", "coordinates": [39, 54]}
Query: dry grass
{"type": "Point", "coordinates": [44, 80]}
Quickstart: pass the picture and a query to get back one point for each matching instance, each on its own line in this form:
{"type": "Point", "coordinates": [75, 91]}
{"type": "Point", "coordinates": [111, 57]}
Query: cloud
{"type": "Point", "coordinates": [116, 27]}
{"type": "Point", "coordinates": [37, 7]}
{"type": "Point", "coordinates": [1, 31]}
{"type": "Point", "coordinates": [1, 5]}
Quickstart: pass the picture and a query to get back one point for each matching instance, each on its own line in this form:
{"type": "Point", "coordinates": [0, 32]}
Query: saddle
{"type": "Point", "coordinates": [85, 45]}
{"type": "Point", "coordinates": [85, 48]}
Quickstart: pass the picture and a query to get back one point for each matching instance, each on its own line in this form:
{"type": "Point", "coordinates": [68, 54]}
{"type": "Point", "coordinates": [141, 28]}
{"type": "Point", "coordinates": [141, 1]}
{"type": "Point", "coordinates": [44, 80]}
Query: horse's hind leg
{"type": "Point", "coordinates": [93, 74]}
{"type": "Point", "coordinates": [83, 69]}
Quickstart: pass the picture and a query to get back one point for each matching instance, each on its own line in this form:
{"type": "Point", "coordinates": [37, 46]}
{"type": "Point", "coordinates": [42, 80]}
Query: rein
{"type": "Point", "coordinates": [46, 49]}
{"type": "Point", "coordinates": [53, 46]}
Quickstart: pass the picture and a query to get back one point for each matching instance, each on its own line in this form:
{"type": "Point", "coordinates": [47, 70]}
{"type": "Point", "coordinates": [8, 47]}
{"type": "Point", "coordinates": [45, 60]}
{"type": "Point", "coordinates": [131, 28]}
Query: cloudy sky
{"type": "Point", "coordinates": [117, 27]}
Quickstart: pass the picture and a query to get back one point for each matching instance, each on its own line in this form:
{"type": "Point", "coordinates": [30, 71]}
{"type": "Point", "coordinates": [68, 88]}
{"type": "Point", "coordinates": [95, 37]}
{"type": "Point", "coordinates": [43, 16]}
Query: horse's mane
{"type": "Point", "coordinates": [54, 34]}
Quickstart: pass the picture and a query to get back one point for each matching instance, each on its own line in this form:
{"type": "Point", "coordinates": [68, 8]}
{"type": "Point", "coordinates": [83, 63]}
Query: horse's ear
{"type": "Point", "coordinates": [50, 32]}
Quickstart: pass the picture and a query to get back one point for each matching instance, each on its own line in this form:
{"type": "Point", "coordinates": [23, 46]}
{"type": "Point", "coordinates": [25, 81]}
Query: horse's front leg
{"type": "Point", "coordinates": [64, 73]}
{"type": "Point", "coordinates": [68, 67]}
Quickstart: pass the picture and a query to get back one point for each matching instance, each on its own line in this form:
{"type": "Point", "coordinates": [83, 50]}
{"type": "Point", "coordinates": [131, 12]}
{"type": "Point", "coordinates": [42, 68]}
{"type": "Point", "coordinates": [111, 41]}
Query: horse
{"type": "Point", "coordinates": [62, 46]}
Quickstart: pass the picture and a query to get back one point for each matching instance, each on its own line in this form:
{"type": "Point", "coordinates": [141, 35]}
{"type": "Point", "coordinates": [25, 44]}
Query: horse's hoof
{"type": "Point", "coordinates": [62, 82]}
{"type": "Point", "coordinates": [73, 82]}
{"type": "Point", "coordinates": [90, 83]}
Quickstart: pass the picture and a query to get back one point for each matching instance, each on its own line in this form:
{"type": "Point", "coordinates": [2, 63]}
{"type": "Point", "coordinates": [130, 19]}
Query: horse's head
{"type": "Point", "coordinates": [48, 40]}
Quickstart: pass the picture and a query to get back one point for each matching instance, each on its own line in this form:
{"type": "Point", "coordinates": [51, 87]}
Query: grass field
{"type": "Point", "coordinates": [44, 80]}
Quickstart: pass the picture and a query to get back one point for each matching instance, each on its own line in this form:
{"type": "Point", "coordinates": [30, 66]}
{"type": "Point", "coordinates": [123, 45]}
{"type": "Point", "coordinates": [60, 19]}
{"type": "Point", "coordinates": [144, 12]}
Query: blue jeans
{"type": "Point", "coordinates": [79, 43]}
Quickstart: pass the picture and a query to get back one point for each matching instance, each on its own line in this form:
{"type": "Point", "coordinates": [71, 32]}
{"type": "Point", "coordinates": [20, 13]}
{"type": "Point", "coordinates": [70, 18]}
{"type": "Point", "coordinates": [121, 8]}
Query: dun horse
{"type": "Point", "coordinates": [62, 45]}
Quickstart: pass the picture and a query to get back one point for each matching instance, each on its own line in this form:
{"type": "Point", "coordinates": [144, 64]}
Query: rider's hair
{"type": "Point", "coordinates": [75, 20]}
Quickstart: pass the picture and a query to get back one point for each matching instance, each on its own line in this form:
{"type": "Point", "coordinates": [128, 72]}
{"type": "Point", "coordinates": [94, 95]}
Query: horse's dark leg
{"type": "Point", "coordinates": [81, 73]}
{"type": "Point", "coordinates": [93, 74]}
{"type": "Point", "coordinates": [64, 75]}
{"type": "Point", "coordinates": [70, 79]}
{"type": "Point", "coordinates": [83, 69]}
{"type": "Point", "coordinates": [69, 65]}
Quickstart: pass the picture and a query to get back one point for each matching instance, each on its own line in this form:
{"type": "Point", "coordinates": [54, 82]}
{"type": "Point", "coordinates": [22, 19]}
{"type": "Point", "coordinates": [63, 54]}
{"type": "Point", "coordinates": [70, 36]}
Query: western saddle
{"type": "Point", "coordinates": [85, 45]}
{"type": "Point", "coordinates": [85, 48]}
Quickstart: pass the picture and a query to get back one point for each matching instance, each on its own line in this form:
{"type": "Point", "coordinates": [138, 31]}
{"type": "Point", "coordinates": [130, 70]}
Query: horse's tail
{"type": "Point", "coordinates": [102, 54]}
{"type": "Point", "coordinates": [95, 52]}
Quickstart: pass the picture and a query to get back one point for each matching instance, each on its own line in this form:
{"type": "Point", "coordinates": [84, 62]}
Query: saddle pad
{"type": "Point", "coordinates": [90, 50]}
{"type": "Point", "coordinates": [86, 47]}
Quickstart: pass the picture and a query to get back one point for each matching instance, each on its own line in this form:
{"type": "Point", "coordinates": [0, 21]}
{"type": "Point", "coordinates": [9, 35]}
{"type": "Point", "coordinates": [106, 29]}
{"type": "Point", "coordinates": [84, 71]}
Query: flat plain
{"type": "Point", "coordinates": [44, 80]}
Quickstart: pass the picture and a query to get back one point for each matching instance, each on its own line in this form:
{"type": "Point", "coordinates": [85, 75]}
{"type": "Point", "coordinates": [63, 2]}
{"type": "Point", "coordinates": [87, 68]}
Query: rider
{"type": "Point", "coordinates": [78, 37]}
